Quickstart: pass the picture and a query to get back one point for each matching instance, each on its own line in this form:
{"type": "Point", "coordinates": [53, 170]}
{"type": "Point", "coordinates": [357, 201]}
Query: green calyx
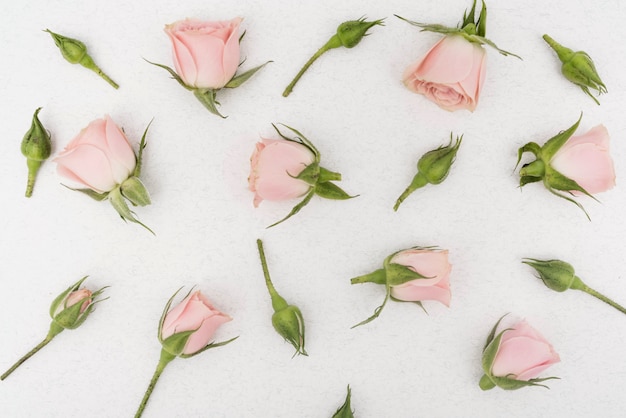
{"type": "Point", "coordinates": [348, 35]}
{"type": "Point", "coordinates": [432, 168]}
{"type": "Point", "coordinates": [71, 317]}
{"type": "Point", "coordinates": [287, 319]}
{"type": "Point", "coordinates": [488, 380]}
{"type": "Point", "coordinates": [36, 147]}
{"type": "Point", "coordinates": [319, 178]}
{"type": "Point", "coordinates": [75, 52]}
{"type": "Point", "coordinates": [472, 28]}
{"type": "Point", "coordinates": [578, 67]}
{"type": "Point", "coordinates": [541, 170]}
{"type": "Point", "coordinates": [345, 410]}
{"type": "Point", "coordinates": [555, 274]}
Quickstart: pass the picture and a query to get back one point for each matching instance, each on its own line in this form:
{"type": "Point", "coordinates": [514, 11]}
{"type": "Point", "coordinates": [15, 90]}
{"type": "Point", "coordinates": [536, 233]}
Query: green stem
{"type": "Point", "coordinates": [163, 361]}
{"type": "Point", "coordinates": [53, 332]}
{"type": "Point", "coordinates": [327, 175]}
{"type": "Point", "coordinates": [33, 168]}
{"type": "Point", "coordinates": [278, 303]}
{"type": "Point", "coordinates": [329, 45]}
{"type": "Point", "coordinates": [379, 277]}
{"type": "Point", "coordinates": [603, 298]}
{"type": "Point", "coordinates": [418, 181]}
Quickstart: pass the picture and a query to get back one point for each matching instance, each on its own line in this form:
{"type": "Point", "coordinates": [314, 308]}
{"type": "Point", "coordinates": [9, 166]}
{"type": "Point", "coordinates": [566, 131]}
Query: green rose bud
{"type": "Point", "coordinates": [287, 319]}
{"type": "Point", "coordinates": [433, 167]}
{"type": "Point", "coordinates": [36, 147]}
{"type": "Point", "coordinates": [578, 67]}
{"type": "Point", "coordinates": [75, 52]}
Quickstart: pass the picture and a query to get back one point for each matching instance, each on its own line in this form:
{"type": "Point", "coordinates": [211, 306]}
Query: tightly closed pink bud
{"type": "Point", "coordinates": [451, 74]}
{"type": "Point", "coordinates": [434, 266]}
{"type": "Point", "coordinates": [523, 353]}
{"type": "Point", "coordinates": [100, 158]}
{"type": "Point", "coordinates": [273, 166]}
{"type": "Point", "coordinates": [195, 313]}
{"type": "Point", "coordinates": [77, 296]}
{"type": "Point", "coordinates": [586, 160]}
{"type": "Point", "coordinates": [206, 54]}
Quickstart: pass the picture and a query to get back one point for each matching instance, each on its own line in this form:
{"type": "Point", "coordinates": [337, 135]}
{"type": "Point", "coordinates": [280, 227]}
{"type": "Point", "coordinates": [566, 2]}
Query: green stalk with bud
{"type": "Point", "coordinates": [36, 147]}
{"type": "Point", "coordinates": [75, 52]}
{"type": "Point", "coordinates": [348, 35]}
{"type": "Point", "coordinates": [287, 319]}
{"type": "Point", "coordinates": [432, 168]}
{"type": "Point", "coordinates": [559, 276]}
{"type": "Point", "coordinates": [578, 67]}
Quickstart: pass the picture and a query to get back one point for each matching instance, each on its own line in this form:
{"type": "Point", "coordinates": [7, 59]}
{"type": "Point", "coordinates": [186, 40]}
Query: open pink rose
{"type": "Point", "coordinates": [430, 263]}
{"type": "Point", "coordinates": [523, 353]}
{"type": "Point", "coordinates": [273, 166]}
{"type": "Point", "coordinates": [451, 74]}
{"type": "Point", "coordinates": [206, 54]}
{"type": "Point", "coordinates": [100, 158]}
{"type": "Point", "coordinates": [586, 160]}
{"type": "Point", "coordinates": [194, 313]}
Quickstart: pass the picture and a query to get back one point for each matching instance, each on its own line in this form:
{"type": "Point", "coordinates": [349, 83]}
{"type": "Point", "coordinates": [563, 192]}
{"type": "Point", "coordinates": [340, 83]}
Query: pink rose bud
{"type": "Point", "coordinates": [514, 357]}
{"type": "Point", "coordinates": [452, 72]}
{"type": "Point", "coordinates": [68, 311]}
{"type": "Point", "coordinates": [101, 160]}
{"type": "Point", "coordinates": [206, 58]}
{"type": "Point", "coordinates": [413, 275]}
{"type": "Point", "coordinates": [577, 165]}
{"type": "Point", "coordinates": [282, 169]}
{"type": "Point", "coordinates": [197, 319]}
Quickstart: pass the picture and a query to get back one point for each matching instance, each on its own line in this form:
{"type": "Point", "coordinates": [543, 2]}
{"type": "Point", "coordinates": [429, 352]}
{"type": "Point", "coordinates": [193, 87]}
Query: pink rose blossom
{"type": "Point", "coordinates": [523, 353]}
{"type": "Point", "coordinates": [586, 160]}
{"type": "Point", "coordinates": [99, 158]}
{"type": "Point", "coordinates": [430, 263]}
{"type": "Point", "coordinates": [451, 74]}
{"type": "Point", "coordinates": [206, 54]}
{"type": "Point", "coordinates": [78, 295]}
{"type": "Point", "coordinates": [273, 165]}
{"type": "Point", "coordinates": [194, 313]}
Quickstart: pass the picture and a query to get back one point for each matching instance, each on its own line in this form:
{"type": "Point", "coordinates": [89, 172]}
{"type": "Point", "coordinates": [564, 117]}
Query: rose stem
{"type": "Point", "coordinates": [53, 332]}
{"type": "Point", "coordinates": [306, 66]}
{"type": "Point", "coordinates": [105, 77]}
{"type": "Point", "coordinates": [163, 361]}
{"type": "Point", "coordinates": [33, 168]}
{"type": "Point", "coordinates": [603, 298]}
{"type": "Point", "coordinates": [278, 303]}
{"type": "Point", "coordinates": [418, 181]}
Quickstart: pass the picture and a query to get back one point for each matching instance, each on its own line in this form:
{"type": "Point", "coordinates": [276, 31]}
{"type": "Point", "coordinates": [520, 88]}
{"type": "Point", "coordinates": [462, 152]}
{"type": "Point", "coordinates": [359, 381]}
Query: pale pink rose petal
{"type": "Point", "coordinates": [411, 292]}
{"type": "Point", "coordinates": [472, 84]}
{"type": "Point", "coordinates": [207, 53]}
{"type": "Point", "coordinates": [89, 135]}
{"type": "Point", "coordinates": [186, 316]}
{"type": "Point", "coordinates": [203, 336]}
{"type": "Point", "coordinates": [428, 263]}
{"type": "Point", "coordinates": [597, 135]}
{"type": "Point", "coordinates": [448, 61]}
{"type": "Point", "coordinates": [75, 297]}
{"type": "Point", "coordinates": [230, 61]}
{"type": "Point", "coordinates": [90, 165]}
{"type": "Point", "coordinates": [517, 355]}
{"type": "Point", "coordinates": [184, 62]}
{"type": "Point", "coordinates": [119, 150]}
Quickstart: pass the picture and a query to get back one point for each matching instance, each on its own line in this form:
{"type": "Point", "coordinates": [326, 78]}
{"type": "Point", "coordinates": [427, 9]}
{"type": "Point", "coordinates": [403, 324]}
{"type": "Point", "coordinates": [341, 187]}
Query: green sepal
{"type": "Point", "coordinates": [415, 302]}
{"type": "Point", "coordinates": [398, 274]}
{"type": "Point", "coordinates": [486, 383]}
{"type": "Point", "coordinates": [119, 204]}
{"type": "Point", "coordinates": [491, 350]}
{"type": "Point", "coordinates": [139, 156]}
{"type": "Point", "coordinates": [569, 199]}
{"type": "Point", "coordinates": [208, 98]}
{"type": "Point", "coordinates": [536, 168]}
{"type": "Point", "coordinates": [330, 190]}
{"type": "Point", "coordinates": [91, 193]}
{"type": "Point", "coordinates": [309, 175]}
{"type": "Point", "coordinates": [492, 333]}
{"type": "Point", "coordinates": [72, 49]}
{"type": "Point", "coordinates": [481, 23]}
{"type": "Point", "coordinates": [532, 147]}
{"type": "Point", "coordinates": [175, 343]}
{"type": "Point", "coordinates": [351, 33]}
{"type": "Point", "coordinates": [556, 142]}
{"type": "Point", "coordinates": [289, 324]}
{"type": "Point", "coordinates": [378, 310]}
{"type": "Point", "coordinates": [208, 346]}
{"type": "Point", "coordinates": [507, 383]}
{"type": "Point", "coordinates": [297, 208]}
{"type": "Point", "coordinates": [59, 299]}
{"type": "Point", "coordinates": [299, 139]}
{"type": "Point", "coordinates": [89, 309]}
{"type": "Point", "coordinates": [378, 277]}
{"type": "Point", "coordinates": [166, 310]}
{"type": "Point", "coordinates": [345, 410]}
{"type": "Point", "coordinates": [435, 164]}
{"type": "Point", "coordinates": [524, 180]}
{"type": "Point", "coordinates": [557, 181]}
{"type": "Point", "coordinates": [327, 175]}
{"type": "Point", "coordinates": [172, 73]}
{"type": "Point", "coordinates": [134, 190]}
{"type": "Point", "coordinates": [238, 80]}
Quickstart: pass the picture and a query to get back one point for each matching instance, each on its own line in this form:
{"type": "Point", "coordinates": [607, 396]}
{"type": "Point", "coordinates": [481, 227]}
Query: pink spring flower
{"type": "Point", "coordinates": [100, 158]}
{"type": "Point", "coordinates": [434, 265]}
{"type": "Point", "coordinates": [194, 313]}
{"type": "Point", "coordinates": [451, 74]}
{"type": "Point", "coordinates": [586, 160]}
{"type": "Point", "coordinates": [523, 353]}
{"type": "Point", "coordinates": [273, 166]}
{"type": "Point", "coordinates": [206, 54]}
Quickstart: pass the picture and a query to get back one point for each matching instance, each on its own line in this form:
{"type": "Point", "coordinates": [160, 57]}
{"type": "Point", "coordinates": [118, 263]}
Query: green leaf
{"type": "Point", "coordinates": [556, 142]}
{"type": "Point", "coordinates": [238, 80]}
{"type": "Point", "coordinates": [172, 73]}
{"type": "Point", "coordinates": [330, 190]}
{"type": "Point", "coordinates": [297, 208]}
{"type": "Point", "coordinates": [377, 311]}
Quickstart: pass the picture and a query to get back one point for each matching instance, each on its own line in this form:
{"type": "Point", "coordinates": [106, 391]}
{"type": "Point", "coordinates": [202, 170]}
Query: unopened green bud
{"type": "Point", "coordinates": [36, 147]}
{"type": "Point", "coordinates": [289, 324]}
{"type": "Point", "coordinates": [70, 309]}
{"type": "Point", "coordinates": [75, 52]}
{"type": "Point", "coordinates": [578, 67]}
{"type": "Point", "coordinates": [350, 33]}
{"type": "Point", "coordinates": [555, 274]}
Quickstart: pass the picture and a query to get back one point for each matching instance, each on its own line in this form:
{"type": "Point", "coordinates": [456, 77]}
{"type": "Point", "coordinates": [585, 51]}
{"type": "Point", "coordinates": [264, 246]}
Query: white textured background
{"type": "Point", "coordinates": [352, 104]}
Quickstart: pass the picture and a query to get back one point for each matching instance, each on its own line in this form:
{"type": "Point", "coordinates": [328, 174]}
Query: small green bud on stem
{"type": "Point", "coordinates": [36, 147]}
